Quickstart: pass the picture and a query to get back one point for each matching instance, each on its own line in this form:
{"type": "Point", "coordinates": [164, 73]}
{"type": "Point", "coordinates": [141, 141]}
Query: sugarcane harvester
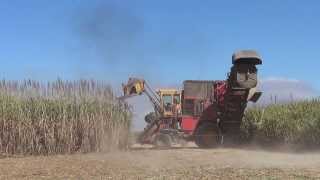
{"type": "Point", "coordinates": [206, 112]}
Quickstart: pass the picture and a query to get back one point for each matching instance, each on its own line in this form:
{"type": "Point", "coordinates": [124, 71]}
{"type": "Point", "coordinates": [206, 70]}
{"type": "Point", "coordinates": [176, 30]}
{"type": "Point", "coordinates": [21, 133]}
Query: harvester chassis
{"type": "Point", "coordinates": [211, 111]}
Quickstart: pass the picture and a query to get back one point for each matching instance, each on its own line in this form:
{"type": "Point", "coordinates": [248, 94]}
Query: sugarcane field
{"type": "Point", "coordinates": [159, 90]}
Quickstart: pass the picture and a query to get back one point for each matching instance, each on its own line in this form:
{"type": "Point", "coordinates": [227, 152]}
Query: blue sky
{"type": "Point", "coordinates": [164, 41]}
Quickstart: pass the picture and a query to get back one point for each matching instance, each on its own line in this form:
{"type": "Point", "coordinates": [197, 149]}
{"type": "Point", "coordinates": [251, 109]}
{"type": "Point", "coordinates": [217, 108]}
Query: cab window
{"type": "Point", "coordinates": [176, 99]}
{"type": "Point", "coordinates": [167, 102]}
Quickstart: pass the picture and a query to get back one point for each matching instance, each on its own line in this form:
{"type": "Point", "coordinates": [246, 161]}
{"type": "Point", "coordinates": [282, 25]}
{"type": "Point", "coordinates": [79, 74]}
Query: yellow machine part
{"type": "Point", "coordinates": [133, 87]}
{"type": "Point", "coordinates": [139, 87]}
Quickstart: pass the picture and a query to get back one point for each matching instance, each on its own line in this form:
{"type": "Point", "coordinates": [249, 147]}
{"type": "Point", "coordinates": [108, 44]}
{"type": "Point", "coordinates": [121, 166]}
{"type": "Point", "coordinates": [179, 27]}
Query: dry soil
{"type": "Point", "coordinates": [178, 163]}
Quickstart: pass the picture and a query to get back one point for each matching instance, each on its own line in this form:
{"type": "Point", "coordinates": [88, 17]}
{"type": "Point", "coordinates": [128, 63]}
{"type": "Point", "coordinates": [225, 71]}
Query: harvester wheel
{"type": "Point", "coordinates": [207, 135]}
{"type": "Point", "coordinates": [150, 117]}
{"type": "Point", "coordinates": [163, 141]}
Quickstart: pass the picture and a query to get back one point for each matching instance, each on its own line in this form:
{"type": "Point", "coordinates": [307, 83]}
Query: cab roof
{"type": "Point", "coordinates": [246, 57]}
{"type": "Point", "coordinates": [170, 91]}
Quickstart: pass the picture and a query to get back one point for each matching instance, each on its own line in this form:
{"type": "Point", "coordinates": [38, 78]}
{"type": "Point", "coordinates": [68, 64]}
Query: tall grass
{"type": "Point", "coordinates": [296, 123]}
{"type": "Point", "coordinates": [61, 117]}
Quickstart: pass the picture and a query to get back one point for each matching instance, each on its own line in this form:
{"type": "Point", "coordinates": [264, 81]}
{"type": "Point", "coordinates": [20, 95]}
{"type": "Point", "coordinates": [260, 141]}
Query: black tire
{"type": "Point", "coordinates": [150, 117]}
{"type": "Point", "coordinates": [207, 135]}
{"type": "Point", "coordinates": [163, 141]}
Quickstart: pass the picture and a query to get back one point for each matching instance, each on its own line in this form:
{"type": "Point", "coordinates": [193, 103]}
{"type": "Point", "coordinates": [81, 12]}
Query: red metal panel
{"type": "Point", "coordinates": [189, 123]}
{"type": "Point", "coordinates": [220, 91]}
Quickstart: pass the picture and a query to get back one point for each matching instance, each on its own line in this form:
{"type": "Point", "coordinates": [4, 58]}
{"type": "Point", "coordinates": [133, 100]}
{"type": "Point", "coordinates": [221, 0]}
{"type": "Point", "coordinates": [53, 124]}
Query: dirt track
{"type": "Point", "coordinates": [186, 163]}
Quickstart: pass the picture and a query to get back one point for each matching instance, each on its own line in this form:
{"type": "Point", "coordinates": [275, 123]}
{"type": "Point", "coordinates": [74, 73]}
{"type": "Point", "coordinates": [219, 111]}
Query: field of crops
{"type": "Point", "coordinates": [60, 117]}
{"type": "Point", "coordinates": [84, 116]}
{"type": "Point", "coordinates": [295, 123]}
{"type": "Point", "coordinates": [64, 117]}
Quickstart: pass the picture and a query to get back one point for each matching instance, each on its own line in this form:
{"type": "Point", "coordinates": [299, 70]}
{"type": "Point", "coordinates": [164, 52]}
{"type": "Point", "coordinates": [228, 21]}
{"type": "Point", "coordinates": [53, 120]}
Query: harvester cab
{"type": "Point", "coordinates": [170, 101]}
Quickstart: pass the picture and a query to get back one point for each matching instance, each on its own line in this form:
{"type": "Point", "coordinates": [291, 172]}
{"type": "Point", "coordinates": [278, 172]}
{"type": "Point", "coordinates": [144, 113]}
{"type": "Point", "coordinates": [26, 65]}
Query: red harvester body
{"type": "Point", "coordinates": [207, 112]}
